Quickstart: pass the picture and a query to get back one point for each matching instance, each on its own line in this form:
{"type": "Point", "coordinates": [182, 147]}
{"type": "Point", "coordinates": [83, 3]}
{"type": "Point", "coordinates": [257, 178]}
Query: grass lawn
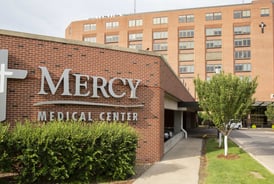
{"type": "Point", "coordinates": [238, 168]}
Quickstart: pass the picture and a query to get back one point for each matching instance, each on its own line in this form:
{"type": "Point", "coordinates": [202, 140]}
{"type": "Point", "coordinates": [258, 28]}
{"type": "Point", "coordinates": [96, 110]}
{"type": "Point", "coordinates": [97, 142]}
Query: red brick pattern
{"type": "Point", "coordinates": [28, 52]}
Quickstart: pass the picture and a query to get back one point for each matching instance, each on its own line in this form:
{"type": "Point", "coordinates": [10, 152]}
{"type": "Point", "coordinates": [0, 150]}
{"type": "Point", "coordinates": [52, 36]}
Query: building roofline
{"type": "Point", "coordinates": [82, 43]}
{"type": "Point", "coordinates": [162, 11]}
{"type": "Point", "coordinates": [184, 9]}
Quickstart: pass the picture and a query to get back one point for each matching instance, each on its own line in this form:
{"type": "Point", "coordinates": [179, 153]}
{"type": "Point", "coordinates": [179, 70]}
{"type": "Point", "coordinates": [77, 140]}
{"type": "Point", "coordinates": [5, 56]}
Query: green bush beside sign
{"type": "Point", "coordinates": [67, 151]}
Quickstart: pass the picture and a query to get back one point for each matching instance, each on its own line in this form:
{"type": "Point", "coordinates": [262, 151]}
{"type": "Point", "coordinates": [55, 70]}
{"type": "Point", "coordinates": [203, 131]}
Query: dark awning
{"type": "Point", "coordinates": [262, 103]}
{"type": "Point", "coordinates": [194, 106]}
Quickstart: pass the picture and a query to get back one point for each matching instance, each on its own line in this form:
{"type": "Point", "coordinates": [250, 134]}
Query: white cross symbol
{"type": "Point", "coordinates": [4, 74]}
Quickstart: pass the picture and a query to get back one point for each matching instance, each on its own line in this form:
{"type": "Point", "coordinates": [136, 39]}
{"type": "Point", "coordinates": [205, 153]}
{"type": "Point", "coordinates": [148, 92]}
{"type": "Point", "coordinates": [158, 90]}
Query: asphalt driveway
{"type": "Point", "coordinates": [259, 143]}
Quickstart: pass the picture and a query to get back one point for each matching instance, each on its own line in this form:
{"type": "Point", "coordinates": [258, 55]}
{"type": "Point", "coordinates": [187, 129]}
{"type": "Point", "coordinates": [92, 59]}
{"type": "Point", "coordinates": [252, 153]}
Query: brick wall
{"type": "Point", "coordinates": [29, 52]}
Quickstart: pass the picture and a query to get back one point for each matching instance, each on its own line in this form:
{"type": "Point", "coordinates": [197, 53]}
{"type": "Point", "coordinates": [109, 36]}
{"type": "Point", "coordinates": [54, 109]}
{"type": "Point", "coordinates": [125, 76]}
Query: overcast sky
{"type": "Point", "coordinates": [51, 17]}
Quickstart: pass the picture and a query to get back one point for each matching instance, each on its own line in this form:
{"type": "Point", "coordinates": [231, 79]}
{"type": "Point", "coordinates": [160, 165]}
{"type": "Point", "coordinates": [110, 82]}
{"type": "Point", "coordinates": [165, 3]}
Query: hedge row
{"type": "Point", "coordinates": [68, 151]}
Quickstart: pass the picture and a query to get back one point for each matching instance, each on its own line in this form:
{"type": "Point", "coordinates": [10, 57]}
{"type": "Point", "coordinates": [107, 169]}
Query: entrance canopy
{"type": "Point", "coordinates": [262, 103]}
{"type": "Point", "coordinates": [191, 106]}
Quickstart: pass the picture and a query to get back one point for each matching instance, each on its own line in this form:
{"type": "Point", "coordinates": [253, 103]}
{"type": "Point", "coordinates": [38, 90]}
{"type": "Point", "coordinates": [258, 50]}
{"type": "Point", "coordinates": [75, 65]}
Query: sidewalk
{"type": "Point", "coordinates": [180, 165]}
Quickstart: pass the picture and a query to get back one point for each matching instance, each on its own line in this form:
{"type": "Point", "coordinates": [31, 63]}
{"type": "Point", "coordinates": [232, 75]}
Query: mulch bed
{"type": "Point", "coordinates": [203, 163]}
{"type": "Point", "coordinates": [229, 156]}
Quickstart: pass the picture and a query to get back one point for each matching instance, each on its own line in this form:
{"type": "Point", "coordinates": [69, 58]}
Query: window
{"type": "Point", "coordinates": [240, 30]}
{"type": "Point", "coordinates": [214, 56]}
{"type": "Point", "coordinates": [265, 12]}
{"type": "Point", "coordinates": [135, 46]}
{"type": "Point", "coordinates": [89, 27]}
{"type": "Point", "coordinates": [90, 39]}
{"type": "Point", "coordinates": [186, 57]}
{"type": "Point", "coordinates": [238, 14]}
{"type": "Point", "coordinates": [112, 38]}
{"type": "Point", "coordinates": [160, 46]}
{"type": "Point", "coordinates": [242, 54]}
{"type": "Point", "coordinates": [135, 23]}
{"type": "Point", "coordinates": [243, 77]}
{"type": "Point", "coordinates": [186, 69]}
{"type": "Point", "coordinates": [135, 37]}
{"type": "Point", "coordinates": [160, 35]}
{"type": "Point", "coordinates": [186, 45]}
{"type": "Point", "coordinates": [112, 25]}
{"type": "Point", "coordinates": [243, 67]}
{"type": "Point", "coordinates": [209, 16]}
{"type": "Point", "coordinates": [242, 42]}
{"type": "Point", "coordinates": [186, 18]}
{"type": "Point", "coordinates": [213, 31]}
{"type": "Point", "coordinates": [160, 20]}
{"type": "Point", "coordinates": [213, 44]}
{"type": "Point", "coordinates": [217, 16]}
{"type": "Point", "coordinates": [186, 33]}
{"type": "Point", "coordinates": [214, 16]}
{"type": "Point", "coordinates": [213, 67]}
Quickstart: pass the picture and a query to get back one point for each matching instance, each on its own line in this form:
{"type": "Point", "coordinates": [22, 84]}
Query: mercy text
{"type": "Point", "coordinates": [86, 85]}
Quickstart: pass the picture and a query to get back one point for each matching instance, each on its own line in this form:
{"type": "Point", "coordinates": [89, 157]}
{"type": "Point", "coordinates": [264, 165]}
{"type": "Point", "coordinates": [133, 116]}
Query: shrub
{"type": "Point", "coordinates": [4, 158]}
{"type": "Point", "coordinates": [71, 151]}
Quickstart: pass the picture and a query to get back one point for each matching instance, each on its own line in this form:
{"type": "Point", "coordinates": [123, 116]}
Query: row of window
{"type": "Point", "coordinates": [214, 56]}
{"type": "Point", "coordinates": [242, 67]}
{"type": "Point", "coordinates": [238, 42]}
{"type": "Point", "coordinates": [218, 15]}
{"type": "Point", "coordinates": [181, 19]}
{"type": "Point", "coordinates": [186, 45]}
{"type": "Point", "coordinates": [211, 68]}
{"type": "Point", "coordinates": [238, 30]}
{"type": "Point", "coordinates": [238, 54]}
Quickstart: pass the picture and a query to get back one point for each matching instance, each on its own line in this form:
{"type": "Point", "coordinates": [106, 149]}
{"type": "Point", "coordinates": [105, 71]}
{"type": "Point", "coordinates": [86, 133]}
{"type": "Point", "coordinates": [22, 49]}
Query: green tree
{"type": "Point", "coordinates": [223, 98]}
{"type": "Point", "coordinates": [270, 113]}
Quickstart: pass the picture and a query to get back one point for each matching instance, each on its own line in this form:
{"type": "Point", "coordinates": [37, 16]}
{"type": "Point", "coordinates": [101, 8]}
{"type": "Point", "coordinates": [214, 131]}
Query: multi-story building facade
{"type": "Point", "coordinates": [237, 39]}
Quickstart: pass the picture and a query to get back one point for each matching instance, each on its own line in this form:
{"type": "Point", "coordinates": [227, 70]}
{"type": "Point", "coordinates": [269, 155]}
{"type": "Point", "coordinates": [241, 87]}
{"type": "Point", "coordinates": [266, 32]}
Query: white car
{"type": "Point", "coordinates": [235, 124]}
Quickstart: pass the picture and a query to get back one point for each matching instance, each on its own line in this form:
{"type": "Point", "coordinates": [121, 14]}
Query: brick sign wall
{"type": "Point", "coordinates": [128, 86]}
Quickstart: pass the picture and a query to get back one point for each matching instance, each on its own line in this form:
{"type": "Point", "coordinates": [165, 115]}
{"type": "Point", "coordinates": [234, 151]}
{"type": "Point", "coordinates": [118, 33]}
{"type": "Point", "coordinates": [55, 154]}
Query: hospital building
{"type": "Point", "coordinates": [235, 38]}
